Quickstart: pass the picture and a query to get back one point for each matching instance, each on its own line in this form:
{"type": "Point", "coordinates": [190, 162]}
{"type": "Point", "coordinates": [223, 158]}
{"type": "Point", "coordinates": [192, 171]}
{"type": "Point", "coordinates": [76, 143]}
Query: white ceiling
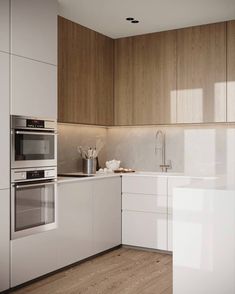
{"type": "Point", "coordinates": [108, 16]}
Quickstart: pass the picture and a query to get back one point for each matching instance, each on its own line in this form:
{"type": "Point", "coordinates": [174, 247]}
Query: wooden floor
{"type": "Point", "coordinates": [122, 271]}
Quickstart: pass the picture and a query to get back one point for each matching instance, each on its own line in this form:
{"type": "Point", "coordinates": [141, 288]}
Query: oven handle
{"type": "Point", "coordinates": [35, 133]}
{"type": "Point", "coordinates": [36, 185]}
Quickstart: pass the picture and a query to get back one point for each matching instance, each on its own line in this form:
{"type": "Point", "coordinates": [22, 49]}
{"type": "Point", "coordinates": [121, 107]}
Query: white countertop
{"type": "Point", "coordinates": [95, 177]}
{"type": "Point", "coordinates": [219, 183]}
{"type": "Point", "coordinates": [62, 179]}
{"type": "Point", "coordinates": [167, 174]}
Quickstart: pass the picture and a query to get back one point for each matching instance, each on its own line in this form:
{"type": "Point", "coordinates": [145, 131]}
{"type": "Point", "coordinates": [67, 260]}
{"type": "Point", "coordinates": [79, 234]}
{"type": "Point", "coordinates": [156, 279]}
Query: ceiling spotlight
{"type": "Point", "coordinates": [134, 21]}
{"type": "Point", "coordinates": [130, 18]}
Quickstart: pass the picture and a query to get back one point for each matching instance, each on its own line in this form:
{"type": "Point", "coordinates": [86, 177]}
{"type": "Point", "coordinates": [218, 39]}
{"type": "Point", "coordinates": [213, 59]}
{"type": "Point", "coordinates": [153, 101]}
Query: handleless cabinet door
{"type": "Point", "coordinates": [4, 121]}
{"type": "Point", "coordinates": [34, 88]}
{"type": "Point", "coordinates": [5, 239]}
{"type": "Point", "coordinates": [107, 214]}
{"type": "Point", "coordinates": [231, 71]}
{"type": "Point", "coordinates": [144, 229]}
{"type": "Point", "coordinates": [34, 29]}
{"type": "Point", "coordinates": [75, 222]}
{"type": "Point", "coordinates": [33, 256]}
{"type": "Point", "coordinates": [201, 74]}
{"type": "Point", "coordinates": [145, 79]}
{"type": "Point", "coordinates": [4, 25]}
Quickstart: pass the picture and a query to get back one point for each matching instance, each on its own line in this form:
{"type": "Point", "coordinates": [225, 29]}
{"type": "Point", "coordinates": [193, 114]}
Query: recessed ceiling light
{"type": "Point", "coordinates": [130, 18]}
{"type": "Point", "coordinates": [134, 21]}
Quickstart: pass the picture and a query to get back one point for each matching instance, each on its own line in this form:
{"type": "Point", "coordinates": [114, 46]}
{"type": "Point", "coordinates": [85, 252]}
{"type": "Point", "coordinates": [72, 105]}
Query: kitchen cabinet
{"type": "Point", "coordinates": [201, 74]}
{"type": "Point", "coordinates": [231, 71]}
{"type": "Point", "coordinates": [89, 218]}
{"type": "Point", "coordinates": [33, 88]}
{"type": "Point", "coordinates": [145, 79]}
{"type": "Point", "coordinates": [4, 25]}
{"type": "Point", "coordinates": [175, 182]}
{"type": "Point", "coordinates": [144, 211]}
{"type": "Point", "coordinates": [107, 214]}
{"type": "Point", "coordinates": [204, 240]}
{"type": "Point", "coordinates": [4, 121]}
{"type": "Point", "coordinates": [85, 74]}
{"type": "Point", "coordinates": [5, 240]}
{"type": "Point", "coordinates": [144, 184]}
{"type": "Point", "coordinates": [143, 229]}
{"type": "Point", "coordinates": [34, 29]}
{"type": "Point", "coordinates": [75, 222]}
{"type": "Point", "coordinates": [33, 256]}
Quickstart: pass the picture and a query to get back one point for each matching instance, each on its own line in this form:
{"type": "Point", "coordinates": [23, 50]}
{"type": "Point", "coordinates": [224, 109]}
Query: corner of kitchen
{"type": "Point", "coordinates": [117, 148]}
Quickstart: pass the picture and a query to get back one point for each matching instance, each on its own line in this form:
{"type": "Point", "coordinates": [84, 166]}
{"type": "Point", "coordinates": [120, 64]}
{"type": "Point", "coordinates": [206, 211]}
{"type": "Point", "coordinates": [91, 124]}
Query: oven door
{"type": "Point", "coordinates": [33, 148]}
{"type": "Point", "coordinates": [33, 208]}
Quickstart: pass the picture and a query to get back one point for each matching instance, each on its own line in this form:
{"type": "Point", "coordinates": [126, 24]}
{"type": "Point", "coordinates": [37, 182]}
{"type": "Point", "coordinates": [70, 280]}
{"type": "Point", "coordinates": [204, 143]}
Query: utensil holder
{"type": "Point", "coordinates": [89, 166]}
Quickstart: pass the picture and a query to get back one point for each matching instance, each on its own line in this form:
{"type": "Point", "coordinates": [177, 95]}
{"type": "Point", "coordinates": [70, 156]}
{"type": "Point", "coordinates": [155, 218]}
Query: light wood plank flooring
{"type": "Point", "coordinates": [122, 271]}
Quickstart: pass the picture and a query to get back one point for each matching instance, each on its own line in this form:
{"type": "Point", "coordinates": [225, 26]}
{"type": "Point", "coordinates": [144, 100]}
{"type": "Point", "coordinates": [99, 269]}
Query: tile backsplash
{"type": "Point", "coordinates": [195, 150]}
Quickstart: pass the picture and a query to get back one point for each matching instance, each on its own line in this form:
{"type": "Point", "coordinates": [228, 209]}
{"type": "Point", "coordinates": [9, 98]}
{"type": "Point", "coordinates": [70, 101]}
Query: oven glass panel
{"type": "Point", "coordinates": [34, 146]}
{"type": "Point", "coordinates": [34, 206]}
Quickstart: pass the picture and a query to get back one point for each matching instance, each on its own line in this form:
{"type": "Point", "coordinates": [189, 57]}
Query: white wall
{"type": "Point", "coordinates": [195, 150]}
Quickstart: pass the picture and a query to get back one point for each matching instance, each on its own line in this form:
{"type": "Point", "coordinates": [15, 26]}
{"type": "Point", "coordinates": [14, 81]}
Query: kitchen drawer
{"type": "Point", "coordinates": [141, 202]}
{"type": "Point", "coordinates": [144, 185]}
{"type": "Point", "coordinates": [144, 229]}
{"type": "Point", "coordinates": [178, 182]}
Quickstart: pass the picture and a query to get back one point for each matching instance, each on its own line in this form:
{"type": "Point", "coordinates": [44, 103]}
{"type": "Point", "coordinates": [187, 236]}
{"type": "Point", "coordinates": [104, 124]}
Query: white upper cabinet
{"type": "Point", "coordinates": [33, 88]}
{"type": "Point", "coordinates": [4, 121]}
{"type": "Point", "coordinates": [4, 25]}
{"type": "Point", "coordinates": [34, 29]}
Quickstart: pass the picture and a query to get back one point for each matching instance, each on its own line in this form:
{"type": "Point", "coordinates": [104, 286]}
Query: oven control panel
{"type": "Point", "coordinates": [19, 175]}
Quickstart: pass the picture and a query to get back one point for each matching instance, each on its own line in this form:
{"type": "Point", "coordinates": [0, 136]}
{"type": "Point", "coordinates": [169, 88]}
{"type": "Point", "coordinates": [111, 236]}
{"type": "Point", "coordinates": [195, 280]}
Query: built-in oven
{"type": "Point", "coordinates": [33, 201]}
{"type": "Point", "coordinates": [33, 142]}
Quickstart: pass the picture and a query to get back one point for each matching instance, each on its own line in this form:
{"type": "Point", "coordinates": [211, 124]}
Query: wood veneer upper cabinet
{"type": "Point", "coordinates": [145, 79]}
{"type": "Point", "coordinates": [85, 75]}
{"type": "Point", "coordinates": [231, 71]}
{"type": "Point", "coordinates": [201, 74]}
{"type": "Point", "coordinates": [123, 81]}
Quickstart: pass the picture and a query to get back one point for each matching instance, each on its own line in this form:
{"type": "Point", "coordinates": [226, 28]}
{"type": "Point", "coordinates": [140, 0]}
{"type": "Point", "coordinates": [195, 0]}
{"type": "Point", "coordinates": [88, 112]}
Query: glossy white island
{"type": "Point", "coordinates": [204, 239]}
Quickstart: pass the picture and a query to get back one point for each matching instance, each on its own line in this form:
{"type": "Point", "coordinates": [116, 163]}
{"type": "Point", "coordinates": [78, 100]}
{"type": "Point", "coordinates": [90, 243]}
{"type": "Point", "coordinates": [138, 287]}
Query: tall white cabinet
{"type": "Point", "coordinates": [34, 58]}
{"type": "Point", "coordinates": [34, 29]}
{"type": "Point", "coordinates": [5, 239]}
{"type": "Point", "coordinates": [4, 25]}
{"type": "Point", "coordinates": [4, 121]}
{"type": "Point", "coordinates": [4, 172]}
{"type": "Point", "coordinates": [33, 88]}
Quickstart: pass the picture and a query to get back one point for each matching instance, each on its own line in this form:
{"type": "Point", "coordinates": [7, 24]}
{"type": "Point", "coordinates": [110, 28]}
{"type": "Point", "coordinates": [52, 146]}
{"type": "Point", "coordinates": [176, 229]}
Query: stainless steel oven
{"type": "Point", "coordinates": [33, 142]}
{"type": "Point", "coordinates": [33, 201]}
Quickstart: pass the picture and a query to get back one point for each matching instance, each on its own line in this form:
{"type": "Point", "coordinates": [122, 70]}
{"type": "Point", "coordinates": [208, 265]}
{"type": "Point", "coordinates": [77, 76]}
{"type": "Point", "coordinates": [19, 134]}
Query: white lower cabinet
{"type": "Point", "coordinates": [75, 222]}
{"type": "Point", "coordinates": [89, 218]}
{"type": "Point", "coordinates": [144, 229]}
{"type": "Point", "coordinates": [33, 256]}
{"type": "Point", "coordinates": [170, 233]}
{"type": "Point", "coordinates": [4, 239]}
{"type": "Point", "coordinates": [107, 214]}
{"type": "Point", "coordinates": [144, 212]}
